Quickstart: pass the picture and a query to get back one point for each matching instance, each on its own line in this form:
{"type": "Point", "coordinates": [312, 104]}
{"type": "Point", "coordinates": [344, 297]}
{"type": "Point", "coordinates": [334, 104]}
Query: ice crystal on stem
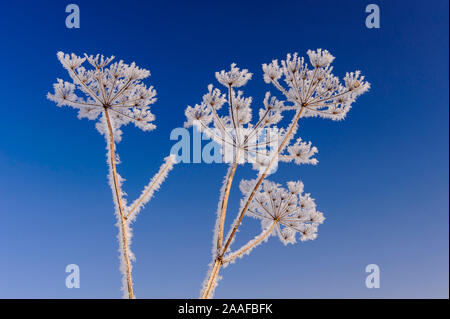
{"type": "Point", "coordinates": [309, 92]}
{"type": "Point", "coordinates": [114, 94]}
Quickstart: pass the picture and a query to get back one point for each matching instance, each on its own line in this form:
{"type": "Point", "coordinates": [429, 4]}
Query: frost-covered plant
{"type": "Point", "coordinates": [309, 92]}
{"type": "Point", "coordinates": [115, 95]}
{"type": "Point", "coordinates": [242, 141]}
{"type": "Point", "coordinates": [282, 212]}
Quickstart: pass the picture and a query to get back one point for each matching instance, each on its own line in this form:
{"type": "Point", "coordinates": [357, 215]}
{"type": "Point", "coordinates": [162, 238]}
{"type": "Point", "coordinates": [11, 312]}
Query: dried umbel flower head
{"type": "Point", "coordinates": [308, 90]}
{"type": "Point", "coordinates": [115, 93]}
{"type": "Point", "coordinates": [316, 90]}
{"type": "Point", "coordinates": [241, 141]}
{"type": "Point", "coordinates": [116, 87]}
{"type": "Point", "coordinates": [300, 152]}
{"type": "Point", "coordinates": [233, 78]}
{"type": "Point", "coordinates": [286, 213]}
{"type": "Point", "coordinates": [290, 209]}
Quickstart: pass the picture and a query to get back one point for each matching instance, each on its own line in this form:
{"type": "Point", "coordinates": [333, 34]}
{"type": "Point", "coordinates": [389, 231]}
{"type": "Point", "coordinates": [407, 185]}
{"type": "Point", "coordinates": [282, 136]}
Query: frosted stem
{"type": "Point", "coordinates": [151, 187]}
{"type": "Point", "coordinates": [211, 281]}
{"type": "Point", "coordinates": [250, 245]}
{"type": "Point", "coordinates": [117, 195]}
{"type": "Point", "coordinates": [260, 180]}
{"type": "Point", "coordinates": [223, 210]}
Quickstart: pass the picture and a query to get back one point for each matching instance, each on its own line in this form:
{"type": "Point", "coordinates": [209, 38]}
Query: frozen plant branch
{"type": "Point", "coordinates": [310, 92]}
{"type": "Point", "coordinates": [151, 187]}
{"type": "Point", "coordinates": [114, 94]}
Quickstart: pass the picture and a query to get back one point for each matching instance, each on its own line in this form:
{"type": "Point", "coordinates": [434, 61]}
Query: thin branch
{"type": "Point", "coordinates": [154, 183]}
{"type": "Point", "coordinates": [93, 95]}
{"type": "Point", "coordinates": [250, 245]}
{"type": "Point", "coordinates": [223, 210]}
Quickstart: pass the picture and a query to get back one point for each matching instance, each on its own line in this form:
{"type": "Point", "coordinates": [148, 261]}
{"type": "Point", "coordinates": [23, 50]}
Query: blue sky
{"type": "Point", "coordinates": [382, 179]}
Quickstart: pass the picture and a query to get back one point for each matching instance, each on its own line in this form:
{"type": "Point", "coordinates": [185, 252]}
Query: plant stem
{"type": "Point", "coordinates": [118, 197]}
{"type": "Point", "coordinates": [149, 188]}
{"type": "Point", "coordinates": [207, 292]}
{"type": "Point", "coordinates": [226, 195]}
{"type": "Point", "coordinates": [251, 244]}
{"type": "Point", "coordinates": [212, 280]}
{"type": "Point", "coordinates": [230, 177]}
{"type": "Point", "coordinates": [260, 180]}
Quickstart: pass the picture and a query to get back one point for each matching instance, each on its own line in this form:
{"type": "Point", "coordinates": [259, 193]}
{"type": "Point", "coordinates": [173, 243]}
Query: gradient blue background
{"type": "Point", "coordinates": [382, 180]}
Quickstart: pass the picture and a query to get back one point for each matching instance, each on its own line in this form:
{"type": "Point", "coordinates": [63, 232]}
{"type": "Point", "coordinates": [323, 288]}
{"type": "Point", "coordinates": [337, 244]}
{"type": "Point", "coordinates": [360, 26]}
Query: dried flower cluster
{"type": "Point", "coordinates": [282, 212]}
{"type": "Point", "coordinates": [309, 92]}
{"type": "Point", "coordinates": [118, 88]}
{"type": "Point", "coordinates": [114, 94]}
{"type": "Point", "coordinates": [241, 140]}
